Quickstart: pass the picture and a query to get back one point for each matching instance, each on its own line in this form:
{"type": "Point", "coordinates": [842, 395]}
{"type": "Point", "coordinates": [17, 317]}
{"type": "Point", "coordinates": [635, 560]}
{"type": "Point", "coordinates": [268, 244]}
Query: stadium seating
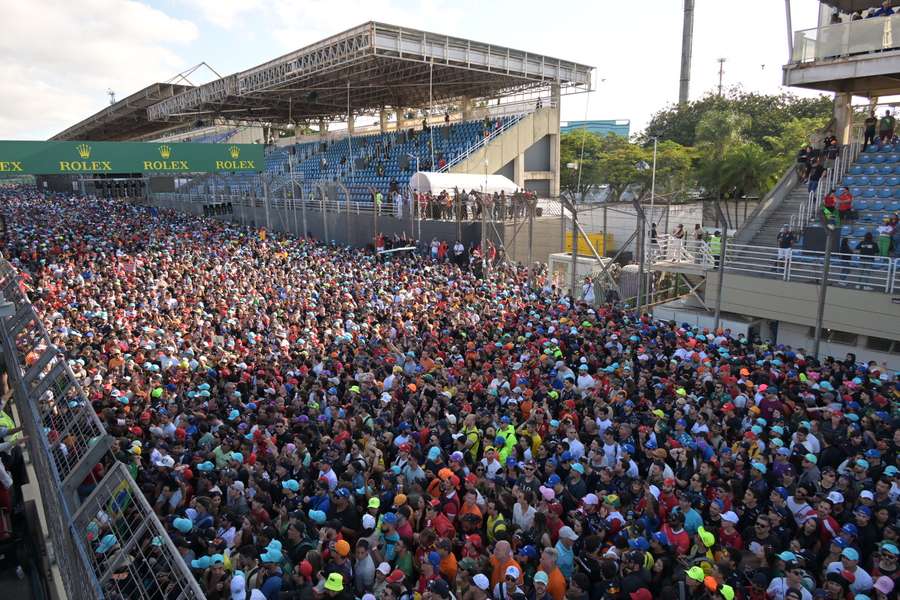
{"type": "Point", "coordinates": [377, 159]}
{"type": "Point", "coordinates": [874, 182]}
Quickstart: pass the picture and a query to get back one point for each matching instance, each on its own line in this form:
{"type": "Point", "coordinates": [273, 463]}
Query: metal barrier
{"type": "Point", "coordinates": [845, 39]}
{"type": "Point", "coordinates": [847, 270]}
{"type": "Point", "coordinates": [875, 273]}
{"type": "Point", "coordinates": [66, 442]}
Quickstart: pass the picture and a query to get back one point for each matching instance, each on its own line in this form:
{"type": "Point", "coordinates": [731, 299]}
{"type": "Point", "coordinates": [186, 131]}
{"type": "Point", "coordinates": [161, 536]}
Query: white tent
{"type": "Point", "coordinates": [438, 182]}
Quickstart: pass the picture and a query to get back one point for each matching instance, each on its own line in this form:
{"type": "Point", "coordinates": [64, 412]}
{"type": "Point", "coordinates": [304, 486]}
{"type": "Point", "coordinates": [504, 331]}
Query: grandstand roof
{"type": "Point", "coordinates": [849, 6]}
{"type": "Point", "coordinates": [370, 66]}
{"type": "Point", "coordinates": [124, 120]}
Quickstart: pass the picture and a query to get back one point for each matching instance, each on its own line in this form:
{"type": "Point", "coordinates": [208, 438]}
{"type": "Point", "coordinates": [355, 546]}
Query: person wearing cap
{"type": "Point", "coordinates": [849, 563]}
{"type": "Point", "coordinates": [501, 560]}
{"type": "Point", "coordinates": [480, 588]}
{"type": "Point", "coordinates": [791, 580]}
{"type": "Point", "coordinates": [554, 580]}
{"type": "Point", "coordinates": [565, 556]}
{"type": "Point", "coordinates": [335, 588]}
{"type": "Point", "coordinates": [508, 586]}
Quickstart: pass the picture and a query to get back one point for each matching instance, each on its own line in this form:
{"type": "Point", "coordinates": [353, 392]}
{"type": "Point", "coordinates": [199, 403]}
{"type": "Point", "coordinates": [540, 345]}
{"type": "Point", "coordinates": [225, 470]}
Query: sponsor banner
{"type": "Point", "coordinates": [74, 158]}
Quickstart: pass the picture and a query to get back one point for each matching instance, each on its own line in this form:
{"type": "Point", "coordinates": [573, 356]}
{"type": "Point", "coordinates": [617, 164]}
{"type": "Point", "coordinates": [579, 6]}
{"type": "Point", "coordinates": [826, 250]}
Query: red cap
{"type": "Point", "coordinates": [641, 594]}
{"type": "Point", "coordinates": [435, 502]}
{"type": "Point", "coordinates": [728, 407]}
{"type": "Point", "coordinates": [180, 433]}
{"type": "Point", "coordinates": [145, 416]}
{"type": "Point", "coordinates": [136, 431]}
{"type": "Point", "coordinates": [471, 479]}
{"type": "Point", "coordinates": [306, 568]}
{"type": "Point", "coordinates": [187, 474]}
{"type": "Point", "coordinates": [474, 539]}
{"type": "Point", "coordinates": [669, 483]}
{"type": "Point", "coordinates": [405, 448]}
{"type": "Point", "coordinates": [396, 576]}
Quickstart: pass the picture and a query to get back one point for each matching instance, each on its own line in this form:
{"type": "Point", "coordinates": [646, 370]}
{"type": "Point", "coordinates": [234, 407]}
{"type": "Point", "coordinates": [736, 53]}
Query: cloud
{"type": "Point", "coordinates": [301, 23]}
{"type": "Point", "coordinates": [57, 74]}
{"type": "Point", "coordinates": [224, 13]}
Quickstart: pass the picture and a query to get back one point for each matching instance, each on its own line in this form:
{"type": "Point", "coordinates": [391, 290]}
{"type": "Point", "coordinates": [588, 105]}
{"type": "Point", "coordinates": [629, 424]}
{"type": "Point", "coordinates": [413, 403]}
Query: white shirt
{"type": "Point", "coordinates": [331, 477]}
{"type": "Point", "coordinates": [523, 519]}
{"type": "Point", "coordinates": [576, 448]}
{"type": "Point", "coordinates": [779, 587]}
{"type": "Point", "coordinates": [863, 582]}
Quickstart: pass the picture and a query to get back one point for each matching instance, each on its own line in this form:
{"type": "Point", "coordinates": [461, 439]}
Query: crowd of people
{"type": "Point", "coordinates": [317, 422]}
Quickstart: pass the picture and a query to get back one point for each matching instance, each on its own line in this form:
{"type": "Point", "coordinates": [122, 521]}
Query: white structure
{"type": "Point", "coordinates": [439, 182]}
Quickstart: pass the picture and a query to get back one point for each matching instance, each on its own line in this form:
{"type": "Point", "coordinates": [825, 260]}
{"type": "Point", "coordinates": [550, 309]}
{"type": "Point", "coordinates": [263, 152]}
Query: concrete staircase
{"type": "Point", "coordinates": [768, 233]}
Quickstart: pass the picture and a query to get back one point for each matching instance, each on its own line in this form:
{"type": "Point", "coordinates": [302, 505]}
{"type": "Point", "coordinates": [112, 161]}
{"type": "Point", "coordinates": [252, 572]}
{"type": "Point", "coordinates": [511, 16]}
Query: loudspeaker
{"type": "Point", "coordinates": [814, 239]}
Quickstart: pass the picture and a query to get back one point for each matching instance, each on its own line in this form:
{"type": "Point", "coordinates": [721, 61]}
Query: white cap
{"type": "Point", "coordinates": [512, 571]}
{"type": "Point", "coordinates": [730, 516]}
{"type": "Point", "coordinates": [591, 500]}
{"type": "Point", "coordinates": [385, 569]}
{"type": "Point", "coordinates": [238, 588]}
{"type": "Point", "coordinates": [655, 491]}
{"type": "Point", "coordinates": [868, 495]}
{"type": "Point", "coordinates": [567, 533]}
{"type": "Point", "coordinates": [451, 419]}
{"type": "Point", "coordinates": [368, 521]}
{"type": "Point", "coordinates": [482, 582]}
{"type": "Point", "coordinates": [836, 497]}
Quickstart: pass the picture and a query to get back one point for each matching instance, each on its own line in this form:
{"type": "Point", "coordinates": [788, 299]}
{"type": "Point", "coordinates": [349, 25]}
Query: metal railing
{"type": "Point", "coordinates": [66, 442]}
{"type": "Point", "coordinates": [670, 249]}
{"type": "Point", "coordinates": [809, 209]}
{"type": "Point", "coordinates": [875, 273]}
{"type": "Point", "coordinates": [805, 266]}
{"type": "Point", "coordinates": [846, 39]}
{"type": "Point", "coordinates": [484, 141]}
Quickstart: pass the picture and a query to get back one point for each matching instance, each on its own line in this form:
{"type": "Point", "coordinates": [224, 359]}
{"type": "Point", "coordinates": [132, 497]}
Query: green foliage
{"type": "Point", "coordinates": [613, 160]}
{"type": "Point", "coordinates": [730, 146]}
{"type": "Point", "coordinates": [768, 114]}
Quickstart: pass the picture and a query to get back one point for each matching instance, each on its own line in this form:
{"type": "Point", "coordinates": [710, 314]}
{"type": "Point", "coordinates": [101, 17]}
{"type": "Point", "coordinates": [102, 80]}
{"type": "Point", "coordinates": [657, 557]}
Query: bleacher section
{"type": "Point", "coordinates": [874, 182]}
{"type": "Point", "coordinates": [214, 138]}
{"type": "Point", "coordinates": [377, 159]}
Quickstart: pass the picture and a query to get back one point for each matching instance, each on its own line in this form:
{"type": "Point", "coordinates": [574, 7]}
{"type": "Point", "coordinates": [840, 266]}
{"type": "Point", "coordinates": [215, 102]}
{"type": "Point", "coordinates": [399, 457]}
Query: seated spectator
{"type": "Point", "coordinates": [845, 206]}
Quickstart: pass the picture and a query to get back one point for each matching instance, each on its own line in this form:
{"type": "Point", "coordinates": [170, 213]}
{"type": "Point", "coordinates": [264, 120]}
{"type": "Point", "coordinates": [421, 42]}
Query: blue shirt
{"type": "Point", "coordinates": [565, 560]}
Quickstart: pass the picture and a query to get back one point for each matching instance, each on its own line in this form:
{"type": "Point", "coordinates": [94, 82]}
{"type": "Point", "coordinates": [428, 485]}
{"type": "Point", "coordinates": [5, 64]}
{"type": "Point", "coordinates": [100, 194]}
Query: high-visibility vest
{"type": "Point", "coordinates": [715, 245]}
{"type": "Point", "coordinates": [7, 422]}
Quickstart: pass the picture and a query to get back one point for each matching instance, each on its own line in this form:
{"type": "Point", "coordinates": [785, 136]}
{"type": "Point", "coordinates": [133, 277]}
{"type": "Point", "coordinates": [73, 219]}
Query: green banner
{"type": "Point", "coordinates": [75, 158]}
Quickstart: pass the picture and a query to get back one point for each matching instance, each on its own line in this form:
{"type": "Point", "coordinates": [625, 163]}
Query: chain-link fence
{"type": "Point", "coordinates": [66, 443]}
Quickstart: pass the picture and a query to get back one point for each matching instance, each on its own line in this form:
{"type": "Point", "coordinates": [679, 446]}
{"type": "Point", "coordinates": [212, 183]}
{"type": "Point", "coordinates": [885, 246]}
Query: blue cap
{"type": "Point", "coordinates": [206, 466]}
{"type": "Point", "coordinates": [237, 457]}
{"type": "Point", "coordinates": [291, 484]}
{"type": "Point", "coordinates": [873, 453]}
{"type": "Point", "coordinates": [434, 558]}
{"type": "Point", "coordinates": [106, 544]}
{"type": "Point", "coordinates": [891, 471]}
{"type": "Point", "coordinates": [850, 553]}
{"type": "Point", "coordinates": [272, 545]}
{"type": "Point", "coordinates": [203, 562]}
{"type": "Point", "coordinates": [271, 556]}
{"type": "Point", "coordinates": [234, 414]}
{"type": "Point", "coordinates": [183, 525]}
{"type": "Point", "coordinates": [759, 467]}
{"type": "Point", "coordinates": [510, 461]}
{"type": "Point", "coordinates": [553, 480]}
{"type": "Point", "coordinates": [850, 528]}
{"type": "Point", "coordinates": [342, 492]}
{"type": "Point", "coordinates": [839, 542]}
{"type": "Point", "coordinates": [529, 551]}
{"type": "Point", "coordinates": [782, 491]}
{"type": "Point", "coordinates": [389, 518]}
{"type": "Point", "coordinates": [865, 510]}
{"type": "Point", "coordinates": [787, 556]}
{"type": "Point", "coordinates": [433, 453]}
{"type": "Point", "coordinates": [578, 467]}
{"type": "Point", "coordinates": [639, 544]}
{"type": "Point", "coordinates": [566, 456]}
{"type": "Point", "coordinates": [217, 559]}
{"type": "Point", "coordinates": [660, 537]}
{"type": "Point", "coordinates": [629, 448]}
{"type": "Point", "coordinates": [317, 516]}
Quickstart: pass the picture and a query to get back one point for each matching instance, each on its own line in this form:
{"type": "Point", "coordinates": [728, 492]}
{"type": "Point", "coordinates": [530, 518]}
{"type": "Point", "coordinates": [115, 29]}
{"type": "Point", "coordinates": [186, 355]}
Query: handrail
{"type": "Point", "coordinates": [875, 273]}
{"type": "Point", "coordinates": [485, 140]}
{"type": "Point", "coordinates": [841, 40]}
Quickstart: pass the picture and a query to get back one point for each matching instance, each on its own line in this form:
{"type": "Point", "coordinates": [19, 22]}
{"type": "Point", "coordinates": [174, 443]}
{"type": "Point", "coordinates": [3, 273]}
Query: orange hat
{"type": "Point", "coordinates": [411, 387]}
{"type": "Point", "coordinates": [710, 583]}
{"type": "Point", "coordinates": [745, 372]}
{"type": "Point", "coordinates": [342, 547]}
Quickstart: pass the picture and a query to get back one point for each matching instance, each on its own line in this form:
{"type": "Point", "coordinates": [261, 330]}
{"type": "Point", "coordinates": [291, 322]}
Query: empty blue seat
{"type": "Point", "coordinates": [877, 204]}
{"type": "Point", "coordinates": [860, 232]}
{"type": "Point", "coordinates": [892, 158]}
{"type": "Point", "coordinates": [892, 180]}
{"type": "Point", "coordinates": [869, 192]}
{"type": "Point", "coordinates": [878, 159]}
{"type": "Point", "coordinates": [860, 204]}
{"type": "Point", "coordinates": [893, 206]}
{"type": "Point", "coordinates": [849, 180]}
{"type": "Point", "coordinates": [856, 170]}
{"type": "Point", "coordinates": [863, 180]}
{"type": "Point", "coordinates": [864, 159]}
{"type": "Point", "coordinates": [872, 149]}
{"type": "Point", "coordinates": [877, 180]}
{"type": "Point", "coordinates": [884, 193]}
{"type": "Point", "coordinates": [845, 230]}
{"type": "Point", "coordinates": [856, 192]}
{"type": "Point", "coordinates": [885, 170]}
{"type": "Point", "coordinates": [886, 148]}
{"type": "Point", "coordinates": [870, 170]}
{"type": "Point", "coordinates": [854, 244]}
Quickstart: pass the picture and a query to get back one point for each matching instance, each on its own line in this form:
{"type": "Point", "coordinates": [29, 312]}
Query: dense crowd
{"type": "Point", "coordinates": [313, 422]}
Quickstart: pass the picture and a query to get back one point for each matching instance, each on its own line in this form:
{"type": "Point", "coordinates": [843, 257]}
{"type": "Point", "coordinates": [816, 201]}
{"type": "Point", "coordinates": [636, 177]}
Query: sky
{"type": "Point", "coordinates": [58, 66]}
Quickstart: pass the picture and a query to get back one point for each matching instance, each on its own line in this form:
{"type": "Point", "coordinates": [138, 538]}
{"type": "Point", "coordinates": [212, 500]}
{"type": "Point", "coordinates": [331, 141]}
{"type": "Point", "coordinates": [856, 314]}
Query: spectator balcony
{"type": "Point", "coordinates": [859, 57]}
